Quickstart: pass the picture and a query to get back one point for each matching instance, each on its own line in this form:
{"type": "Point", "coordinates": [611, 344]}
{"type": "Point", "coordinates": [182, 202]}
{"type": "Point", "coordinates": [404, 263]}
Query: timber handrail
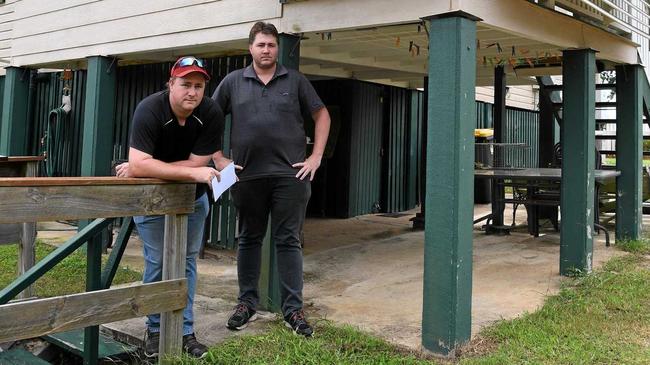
{"type": "Point", "coordinates": [81, 181]}
{"type": "Point", "coordinates": [47, 199]}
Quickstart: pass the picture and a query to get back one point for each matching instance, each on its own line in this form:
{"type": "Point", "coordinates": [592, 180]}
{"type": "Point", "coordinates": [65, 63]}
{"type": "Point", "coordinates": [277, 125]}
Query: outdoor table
{"type": "Point", "coordinates": [533, 179]}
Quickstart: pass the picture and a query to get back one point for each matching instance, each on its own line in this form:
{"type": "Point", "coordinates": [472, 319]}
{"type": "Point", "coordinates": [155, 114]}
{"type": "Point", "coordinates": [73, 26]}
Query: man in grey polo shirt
{"type": "Point", "coordinates": [267, 102]}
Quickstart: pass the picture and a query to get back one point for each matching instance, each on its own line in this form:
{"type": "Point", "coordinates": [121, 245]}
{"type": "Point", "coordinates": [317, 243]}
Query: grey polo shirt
{"type": "Point", "coordinates": [267, 134]}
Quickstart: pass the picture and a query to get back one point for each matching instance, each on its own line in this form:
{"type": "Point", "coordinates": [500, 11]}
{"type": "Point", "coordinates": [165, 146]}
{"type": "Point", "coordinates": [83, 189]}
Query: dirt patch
{"type": "Point", "coordinates": [477, 347]}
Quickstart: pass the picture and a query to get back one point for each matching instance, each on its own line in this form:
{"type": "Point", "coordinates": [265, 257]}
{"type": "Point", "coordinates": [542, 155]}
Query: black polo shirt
{"type": "Point", "coordinates": [155, 130]}
{"type": "Point", "coordinates": [267, 134]}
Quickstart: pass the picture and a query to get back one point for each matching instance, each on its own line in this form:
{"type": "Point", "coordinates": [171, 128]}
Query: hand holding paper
{"type": "Point", "coordinates": [228, 178]}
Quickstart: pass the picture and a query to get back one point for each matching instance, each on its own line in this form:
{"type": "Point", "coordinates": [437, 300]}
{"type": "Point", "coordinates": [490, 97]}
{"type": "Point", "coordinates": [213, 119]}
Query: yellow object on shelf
{"type": "Point", "coordinates": [483, 132]}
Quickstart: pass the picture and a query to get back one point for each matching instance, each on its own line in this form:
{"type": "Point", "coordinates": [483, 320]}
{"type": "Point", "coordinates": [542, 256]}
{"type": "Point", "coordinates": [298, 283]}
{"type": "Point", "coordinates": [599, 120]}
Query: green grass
{"type": "Point", "coordinates": [601, 318]}
{"type": "Point", "coordinates": [68, 276]}
{"type": "Point", "coordinates": [612, 161]}
{"type": "Point", "coordinates": [331, 345]}
{"type": "Point", "coordinates": [636, 246]}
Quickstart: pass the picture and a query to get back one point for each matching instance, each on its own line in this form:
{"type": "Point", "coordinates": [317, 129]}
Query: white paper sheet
{"type": "Point", "coordinates": [228, 178]}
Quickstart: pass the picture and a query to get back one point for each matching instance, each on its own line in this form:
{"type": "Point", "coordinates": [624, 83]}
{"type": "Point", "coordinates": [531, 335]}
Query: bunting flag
{"type": "Point", "coordinates": [518, 56]}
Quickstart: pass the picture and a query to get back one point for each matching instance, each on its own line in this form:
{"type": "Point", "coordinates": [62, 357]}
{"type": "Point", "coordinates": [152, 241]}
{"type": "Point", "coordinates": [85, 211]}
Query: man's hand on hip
{"type": "Point", "coordinates": [309, 167]}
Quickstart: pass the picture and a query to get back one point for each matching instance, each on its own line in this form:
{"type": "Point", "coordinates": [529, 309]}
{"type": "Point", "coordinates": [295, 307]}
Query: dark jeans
{"type": "Point", "coordinates": [285, 198]}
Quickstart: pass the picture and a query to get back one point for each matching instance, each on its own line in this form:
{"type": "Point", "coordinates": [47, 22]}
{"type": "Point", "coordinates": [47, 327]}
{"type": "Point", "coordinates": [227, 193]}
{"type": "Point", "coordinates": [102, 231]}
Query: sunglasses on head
{"type": "Point", "coordinates": [189, 61]}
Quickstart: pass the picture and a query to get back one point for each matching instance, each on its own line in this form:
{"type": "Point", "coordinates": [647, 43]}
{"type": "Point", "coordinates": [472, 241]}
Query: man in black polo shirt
{"type": "Point", "coordinates": [267, 102]}
{"type": "Point", "coordinates": [173, 136]}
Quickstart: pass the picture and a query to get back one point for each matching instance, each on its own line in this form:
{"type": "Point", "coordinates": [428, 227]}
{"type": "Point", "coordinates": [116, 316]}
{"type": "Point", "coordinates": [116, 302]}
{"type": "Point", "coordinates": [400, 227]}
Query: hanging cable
{"type": "Point", "coordinates": [55, 136]}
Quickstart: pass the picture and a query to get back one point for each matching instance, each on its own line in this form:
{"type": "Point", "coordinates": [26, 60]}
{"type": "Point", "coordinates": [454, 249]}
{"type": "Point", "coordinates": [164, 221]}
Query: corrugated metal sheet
{"type": "Point", "coordinates": [48, 92]}
{"type": "Point", "coordinates": [484, 115]}
{"type": "Point", "coordinates": [2, 91]}
{"type": "Point", "coordinates": [415, 150]}
{"type": "Point", "coordinates": [396, 151]}
{"type": "Point", "coordinates": [365, 147]}
{"type": "Point", "coordinates": [349, 182]}
{"type": "Point", "coordinates": [522, 126]}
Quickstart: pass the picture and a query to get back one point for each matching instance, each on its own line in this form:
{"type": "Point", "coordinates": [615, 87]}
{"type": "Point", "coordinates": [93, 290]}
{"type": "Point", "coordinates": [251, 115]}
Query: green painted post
{"type": "Point", "coordinates": [269, 278]}
{"type": "Point", "coordinates": [629, 151]}
{"type": "Point", "coordinates": [289, 57]}
{"type": "Point", "coordinates": [96, 156]}
{"type": "Point", "coordinates": [99, 114]}
{"type": "Point", "coordinates": [498, 191]}
{"type": "Point", "coordinates": [578, 160]}
{"type": "Point", "coordinates": [93, 282]}
{"type": "Point", "coordinates": [546, 138]}
{"type": "Point", "coordinates": [14, 128]}
{"type": "Point", "coordinates": [447, 303]}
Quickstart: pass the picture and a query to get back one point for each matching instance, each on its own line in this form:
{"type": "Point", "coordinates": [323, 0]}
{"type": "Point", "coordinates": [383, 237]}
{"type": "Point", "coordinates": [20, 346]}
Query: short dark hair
{"type": "Point", "coordinates": [264, 28]}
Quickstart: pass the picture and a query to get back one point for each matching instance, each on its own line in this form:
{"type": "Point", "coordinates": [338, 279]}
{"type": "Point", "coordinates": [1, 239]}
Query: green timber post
{"type": "Point", "coordinates": [93, 282]}
{"type": "Point", "coordinates": [96, 155]}
{"type": "Point", "coordinates": [447, 302]}
{"type": "Point", "coordinates": [546, 137]}
{"type": "Point", "coordinates": [99, 116]}
{"type": "Point", "coordinates": [629, 151]}
{"type": "Point", "coordinates": [289, 57]}
{"type": "Point", "coordinates": [499, 121]}
{"type": "Point", "coordinates": [578, 160]}
{"type": "Point", "coordinates": [14, 129]}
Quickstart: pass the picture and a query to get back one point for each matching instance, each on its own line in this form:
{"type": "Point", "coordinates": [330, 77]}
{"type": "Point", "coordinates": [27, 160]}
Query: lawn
{"type": "Point", "coordinates": [68, 276]}
{"type": "Point", "coordinates": [602, 318]}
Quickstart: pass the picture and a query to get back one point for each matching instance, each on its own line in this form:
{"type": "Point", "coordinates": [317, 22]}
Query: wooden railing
{"type": "Point", "coordinates": [21, 233]}
{"type": "Point", "coordinates": [47, 199]}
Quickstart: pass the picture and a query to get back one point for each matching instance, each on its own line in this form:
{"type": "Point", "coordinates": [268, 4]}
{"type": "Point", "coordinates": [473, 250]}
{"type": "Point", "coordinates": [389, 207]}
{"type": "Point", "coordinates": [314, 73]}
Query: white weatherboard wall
{"type": "Point", "coordinates": [525, 96]}
{"type": "Point", "coordinates": [49, 31]}
{"type": "Point", "coordinates": [6, 27]}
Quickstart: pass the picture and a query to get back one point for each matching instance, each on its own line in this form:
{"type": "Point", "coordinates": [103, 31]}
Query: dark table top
{"type": "Point", "coordinates": [538, 174]}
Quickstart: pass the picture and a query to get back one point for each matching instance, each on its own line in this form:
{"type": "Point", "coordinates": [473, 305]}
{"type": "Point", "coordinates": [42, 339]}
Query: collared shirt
{"type": "Point", "coordinates": [155, 130]}
{"type": "Point", "coordinates": [267, 134]}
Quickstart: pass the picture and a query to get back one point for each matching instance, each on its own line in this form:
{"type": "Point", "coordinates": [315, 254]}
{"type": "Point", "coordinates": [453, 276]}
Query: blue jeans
{"type": "Point", "coordinates": [152, 231]}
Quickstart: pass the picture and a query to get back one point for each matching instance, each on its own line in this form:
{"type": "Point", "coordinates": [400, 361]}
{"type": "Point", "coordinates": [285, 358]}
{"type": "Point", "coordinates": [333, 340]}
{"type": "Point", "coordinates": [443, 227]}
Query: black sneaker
{"type": "Point", "coordinates": [240, 318]}
{"type": "Point", "coordinates": [297, 322]}
{"type": "Point", "coordinates": [193, 347]}
{"type": "Point", "coordinates": [151, 342]}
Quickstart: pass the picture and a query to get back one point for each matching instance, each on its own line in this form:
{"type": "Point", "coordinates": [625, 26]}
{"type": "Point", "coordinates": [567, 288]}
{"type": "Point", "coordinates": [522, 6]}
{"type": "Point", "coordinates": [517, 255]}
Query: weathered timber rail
{"type": "Point", "coordinates": [46, 199]}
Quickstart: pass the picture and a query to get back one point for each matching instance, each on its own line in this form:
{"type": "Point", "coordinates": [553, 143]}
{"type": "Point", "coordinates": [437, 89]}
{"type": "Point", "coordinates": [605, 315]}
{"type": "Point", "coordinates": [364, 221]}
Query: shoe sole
{"type": "Point", "coordinates": [251, 319]}
{"type": "Point", "coordinates": [296, 332]}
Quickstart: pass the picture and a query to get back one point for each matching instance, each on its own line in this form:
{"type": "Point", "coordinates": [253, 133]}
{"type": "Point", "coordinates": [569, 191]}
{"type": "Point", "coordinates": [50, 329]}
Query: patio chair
{"type": "Point", "coordinates": [607, 195]}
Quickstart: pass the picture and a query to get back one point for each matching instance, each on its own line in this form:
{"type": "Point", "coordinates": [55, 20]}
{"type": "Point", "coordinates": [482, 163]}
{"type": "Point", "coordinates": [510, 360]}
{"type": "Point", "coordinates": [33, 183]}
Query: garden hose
{"type": "Point", "coordinates": [55, 141]}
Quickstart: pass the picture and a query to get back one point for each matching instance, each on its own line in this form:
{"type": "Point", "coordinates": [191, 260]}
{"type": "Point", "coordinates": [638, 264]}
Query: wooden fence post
{"type": "Point", "coordinates": [171, 323]}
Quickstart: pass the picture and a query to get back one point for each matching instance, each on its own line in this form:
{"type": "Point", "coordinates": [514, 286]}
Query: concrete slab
{"type": "Point", "coordinates": [367, 271]}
